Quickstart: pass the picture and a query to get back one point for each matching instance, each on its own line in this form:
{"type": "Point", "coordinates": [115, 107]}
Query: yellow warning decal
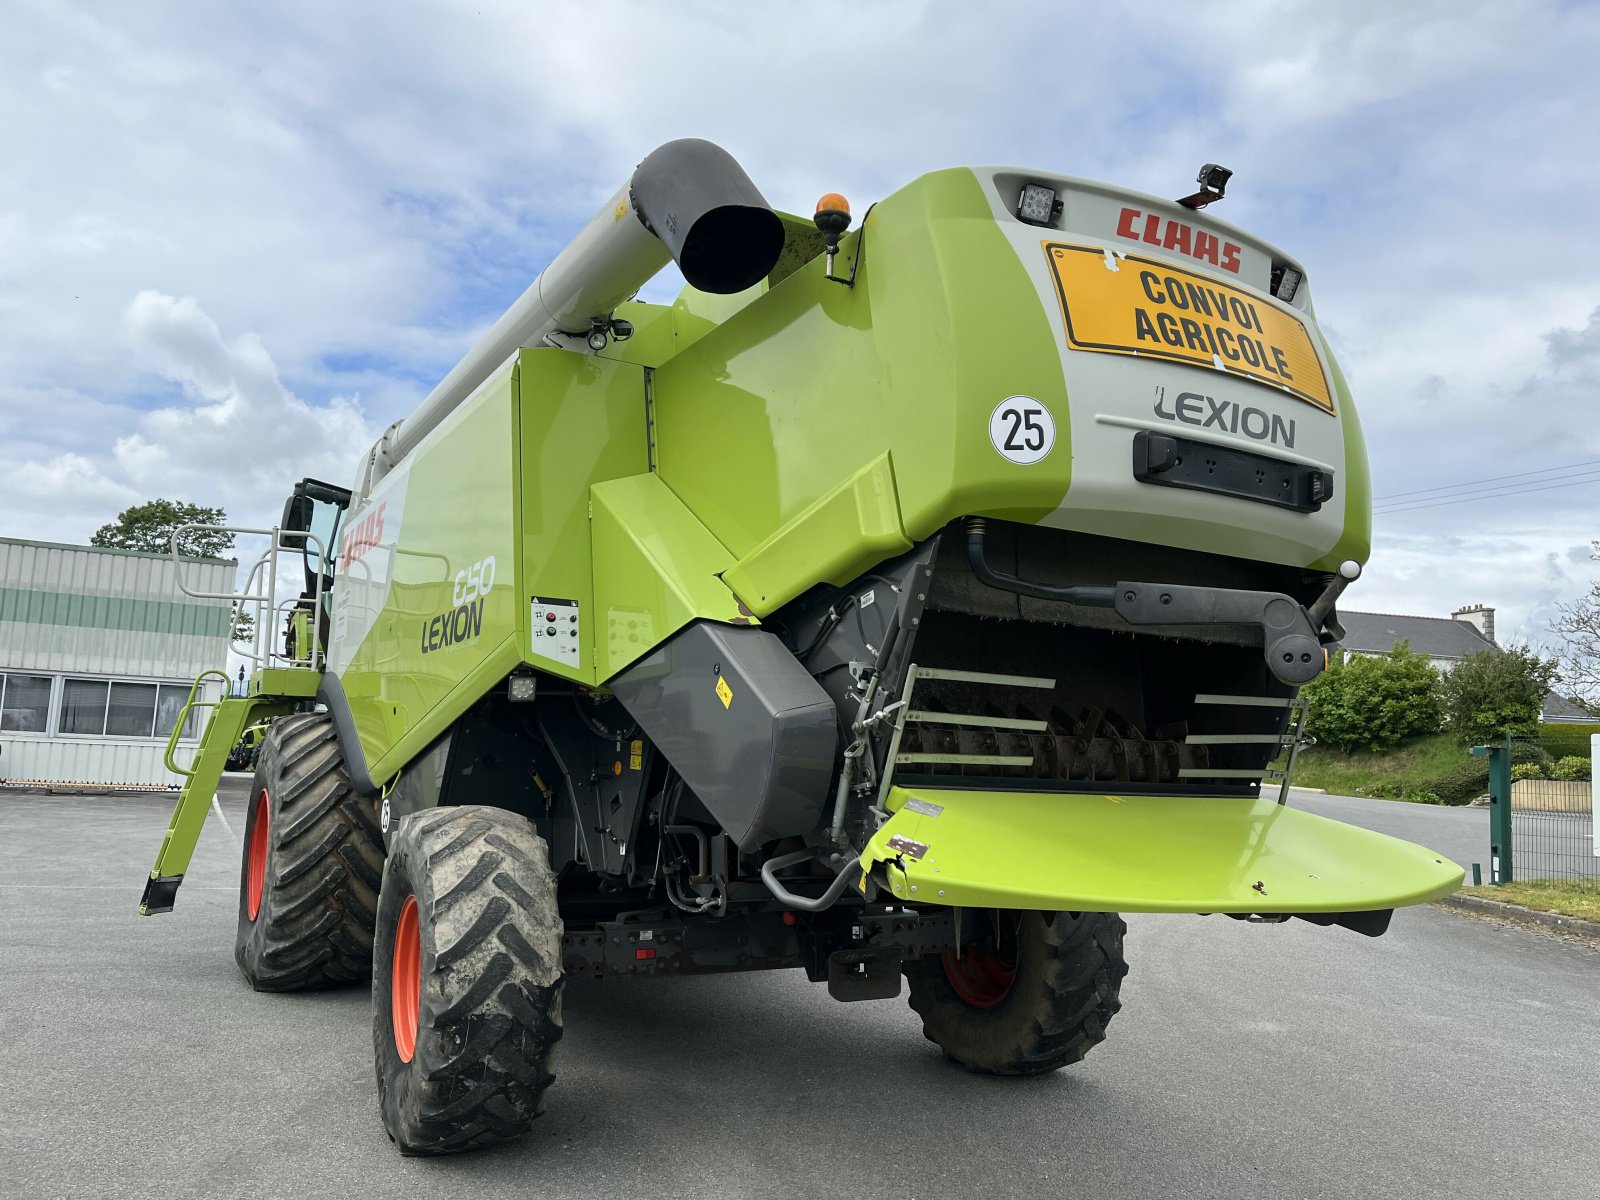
{"type": "Point", "coordinates": [635, 755]}
{"type": "Point", "coordinates": [1116, 303]}
{"type": "Point", "coordinates": [724, 692]}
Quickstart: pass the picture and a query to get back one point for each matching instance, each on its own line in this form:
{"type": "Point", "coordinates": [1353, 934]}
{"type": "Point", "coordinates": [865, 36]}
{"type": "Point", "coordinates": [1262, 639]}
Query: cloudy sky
{"type": "Point", "coordinates": [237, 241]}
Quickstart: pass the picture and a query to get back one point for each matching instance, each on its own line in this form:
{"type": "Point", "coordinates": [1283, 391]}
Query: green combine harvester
{"type": "Point", "coordinates": [899, 603]}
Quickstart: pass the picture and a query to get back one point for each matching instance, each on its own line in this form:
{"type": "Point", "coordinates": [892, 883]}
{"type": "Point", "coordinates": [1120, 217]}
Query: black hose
{"type": "Point", "coordinates": [1087, 597]}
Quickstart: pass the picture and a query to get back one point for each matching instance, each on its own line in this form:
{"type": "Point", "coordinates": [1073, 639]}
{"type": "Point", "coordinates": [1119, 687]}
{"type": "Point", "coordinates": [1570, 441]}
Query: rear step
{"type": "Point", "coordinates": [1079, 852]}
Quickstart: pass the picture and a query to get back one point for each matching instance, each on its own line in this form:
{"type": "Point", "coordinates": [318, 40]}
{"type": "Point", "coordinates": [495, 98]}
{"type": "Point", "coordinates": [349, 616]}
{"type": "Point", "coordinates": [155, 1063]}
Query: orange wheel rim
{"type": "Point", "coordinates": [981, 979]}
{"type": "Point", "coordinates": [405, 983]}
{"type": "Point", "coordinates": [255, 871]}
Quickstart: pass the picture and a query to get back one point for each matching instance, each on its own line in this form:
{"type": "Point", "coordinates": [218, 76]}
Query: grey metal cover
{"type": "Point", "coordinates": [753, 735]}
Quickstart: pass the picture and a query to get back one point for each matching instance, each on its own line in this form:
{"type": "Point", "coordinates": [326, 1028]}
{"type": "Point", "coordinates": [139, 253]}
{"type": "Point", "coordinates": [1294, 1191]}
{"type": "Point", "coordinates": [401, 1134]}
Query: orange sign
{"type": "Point", "coordinates": [1124, 304]}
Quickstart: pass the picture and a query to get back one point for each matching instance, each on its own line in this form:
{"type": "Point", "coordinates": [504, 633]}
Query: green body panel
{"type": "Point", "coordinates": [850, 529]}
{"type": "Point", "coordinates": [419, 664]}
{"type": "Point", "coordinates": [1356, 540]}
{"type": "Point", "coordinates": [656, 569]}
{"type": "Point", "coordinates": [275, 683]}
{"type": "Point", "coordinates": [770, 418]}
{"type": "Point", "coordinates": [582, 423]}
{"type": "Point", "coordinates": [1108, 853]}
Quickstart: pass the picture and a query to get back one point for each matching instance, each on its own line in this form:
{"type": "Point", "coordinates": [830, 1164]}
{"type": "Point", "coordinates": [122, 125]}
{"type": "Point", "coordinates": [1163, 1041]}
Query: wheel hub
{"type": "Point", "coordinates": [983, 977]}
{"type": "Point", "coordinates": [405, 984]}
{"type": "Point", "coordinates": [256, 861]}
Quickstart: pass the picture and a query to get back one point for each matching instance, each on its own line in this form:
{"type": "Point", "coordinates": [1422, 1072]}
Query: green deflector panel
{"type": "Point", "coordinates": [1068, 852]}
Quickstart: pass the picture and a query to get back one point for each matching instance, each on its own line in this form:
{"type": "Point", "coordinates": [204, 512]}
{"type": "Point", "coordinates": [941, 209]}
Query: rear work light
{"type": "Point", "coordinates": [1038, 204]}
{"type": "Point", "coordinates": [1285, 281]}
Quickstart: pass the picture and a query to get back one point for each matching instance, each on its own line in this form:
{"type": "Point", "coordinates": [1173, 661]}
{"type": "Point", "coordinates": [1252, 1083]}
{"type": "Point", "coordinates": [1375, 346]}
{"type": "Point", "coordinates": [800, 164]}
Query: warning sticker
{"type": "Point", "coordinates": [724, 692]}
{"type": "Point", "coordinates": [1118, 303]}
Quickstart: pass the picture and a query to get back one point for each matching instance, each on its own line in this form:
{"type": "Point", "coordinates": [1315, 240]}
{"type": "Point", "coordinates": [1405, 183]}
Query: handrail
{"type": "Point", "coordinates": [183, 717]}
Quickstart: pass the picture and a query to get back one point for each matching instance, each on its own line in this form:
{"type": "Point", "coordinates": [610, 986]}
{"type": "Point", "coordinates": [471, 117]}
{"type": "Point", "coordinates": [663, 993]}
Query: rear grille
{"type": "Point", "coordinates": [1006, 728]}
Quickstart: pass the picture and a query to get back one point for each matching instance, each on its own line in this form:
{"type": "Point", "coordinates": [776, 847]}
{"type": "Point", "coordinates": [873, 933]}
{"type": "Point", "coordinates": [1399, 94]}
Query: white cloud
{"type": "Point", "coordinates": [218, 226]}
{"type": "Point", "coordinates": [243, 437]}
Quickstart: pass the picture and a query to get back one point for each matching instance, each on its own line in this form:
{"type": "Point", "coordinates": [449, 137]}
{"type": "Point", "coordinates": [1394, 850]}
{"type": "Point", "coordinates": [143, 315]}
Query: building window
{"type": "Point", "coordinates": [24, 703]}
{"type": "Point", "coordinates": [115, 708]}
{"type": "Point", "coordinates": [132, 710]}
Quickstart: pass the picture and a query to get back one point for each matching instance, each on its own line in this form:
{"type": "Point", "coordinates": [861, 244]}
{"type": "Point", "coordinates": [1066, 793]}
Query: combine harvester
{"type": "Point", "coordinates": [898, 603]}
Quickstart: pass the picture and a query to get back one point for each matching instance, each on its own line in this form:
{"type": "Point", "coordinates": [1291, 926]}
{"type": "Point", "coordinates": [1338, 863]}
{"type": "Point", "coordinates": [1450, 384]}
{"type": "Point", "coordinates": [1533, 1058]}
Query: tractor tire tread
{"type": "Point", "coordinates": [491, 988]}
{"type": "Point", "coordinates": [320, 902]}
{"type": "Point", "coordinates": [1065, 995]}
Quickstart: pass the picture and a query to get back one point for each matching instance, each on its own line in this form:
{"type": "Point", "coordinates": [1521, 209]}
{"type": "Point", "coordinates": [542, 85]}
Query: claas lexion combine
{"type": "Point", "coordinates": [900, 603]}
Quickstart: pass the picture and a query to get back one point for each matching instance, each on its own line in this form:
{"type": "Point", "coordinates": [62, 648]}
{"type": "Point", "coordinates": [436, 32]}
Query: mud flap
{"type": "Point", "coordinates": [1110, 853]}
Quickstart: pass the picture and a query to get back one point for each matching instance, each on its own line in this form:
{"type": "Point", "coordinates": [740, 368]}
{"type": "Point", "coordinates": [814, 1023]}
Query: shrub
{"type": "Point", "coordinates": [1420, 796]}
{"type": "Point", "coordinates": [1526, 771]}
{"type": "Point", "coordinates": [1571, 768]}
{"type": "Point", "coordinates": [1464, 784]}
{"type": "Point", "coordinates": [1531, 753]}
{"type": "Point", "coordinates": [1489, 695]}
{"type": "Point", "coordinates": [1388, 790]}
{"type": "Point", "coordinates": [1374, 703]}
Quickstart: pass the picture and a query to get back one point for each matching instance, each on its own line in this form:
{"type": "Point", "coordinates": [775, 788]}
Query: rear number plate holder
{"type": "Point", "coordinates": [1170, 461]}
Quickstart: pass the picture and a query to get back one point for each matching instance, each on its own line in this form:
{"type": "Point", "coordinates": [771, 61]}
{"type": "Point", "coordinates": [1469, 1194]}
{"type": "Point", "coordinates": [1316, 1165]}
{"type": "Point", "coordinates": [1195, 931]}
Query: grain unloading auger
{"type": "Point", "coordinates": [897, 603]}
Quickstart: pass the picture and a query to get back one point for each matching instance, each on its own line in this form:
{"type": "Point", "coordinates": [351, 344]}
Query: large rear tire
{"type": "Point", "coordinates": [313, 860]}
{"type": "Point", "coordinates": [466, 980]}
{"type": "Point", "coordinates": [1031, 992]}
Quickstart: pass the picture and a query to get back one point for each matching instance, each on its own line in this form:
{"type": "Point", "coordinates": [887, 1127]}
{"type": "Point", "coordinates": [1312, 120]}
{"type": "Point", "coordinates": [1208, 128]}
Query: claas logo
{"type": "Point", "coordinates": [1175, 235]}
{"type": "Point", "coordinates": [364, 534]}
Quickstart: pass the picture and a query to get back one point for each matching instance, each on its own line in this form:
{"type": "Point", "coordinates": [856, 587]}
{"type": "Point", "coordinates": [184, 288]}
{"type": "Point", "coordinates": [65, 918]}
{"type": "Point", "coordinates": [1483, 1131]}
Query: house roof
{"type": "Point", "coordinates": [1559, 708]}
{"type": "Point", "coordinates": [1437, 637]}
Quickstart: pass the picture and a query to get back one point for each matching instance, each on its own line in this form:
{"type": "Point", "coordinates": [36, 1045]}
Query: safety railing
{"type": "Point", "coordinates": [259, 596]}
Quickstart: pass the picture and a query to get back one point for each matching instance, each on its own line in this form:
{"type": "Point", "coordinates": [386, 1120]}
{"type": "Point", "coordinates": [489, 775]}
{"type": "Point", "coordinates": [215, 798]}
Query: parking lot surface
{"type": "Point", "coordinates": [1449, 1058]}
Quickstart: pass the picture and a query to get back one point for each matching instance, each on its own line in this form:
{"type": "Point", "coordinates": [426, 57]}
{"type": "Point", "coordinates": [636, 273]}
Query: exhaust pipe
{"type": "Point", "coordinates": [688, 202]}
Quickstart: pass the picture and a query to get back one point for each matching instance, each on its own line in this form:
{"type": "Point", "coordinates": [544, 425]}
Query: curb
{"type": "Point", "coordinates": [1516, 914]}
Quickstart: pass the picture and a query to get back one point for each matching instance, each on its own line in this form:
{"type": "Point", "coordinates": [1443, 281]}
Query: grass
{"type": "Point", "coordinates": [1411, 767]}
{"type": "Point", "coordinates": [1569, 897]}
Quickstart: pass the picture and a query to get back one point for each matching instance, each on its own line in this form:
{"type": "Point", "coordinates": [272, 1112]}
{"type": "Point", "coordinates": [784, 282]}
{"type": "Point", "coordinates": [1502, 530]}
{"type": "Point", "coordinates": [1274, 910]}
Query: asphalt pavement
{"type": "Point", "coordinates": [1451, 1057]}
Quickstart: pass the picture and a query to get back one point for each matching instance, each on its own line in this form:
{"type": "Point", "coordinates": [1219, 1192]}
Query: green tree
{"type": "Point", "coordinates": [1374, 703]}
{"type": "Point", "coordinates": [149, 526]}
{"type": "Point", "coordinates": [1496, 692]}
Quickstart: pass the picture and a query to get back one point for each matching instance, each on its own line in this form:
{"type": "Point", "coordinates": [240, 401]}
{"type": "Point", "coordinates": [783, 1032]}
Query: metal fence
{"type": "Point", "coordinates": [1552, 808]}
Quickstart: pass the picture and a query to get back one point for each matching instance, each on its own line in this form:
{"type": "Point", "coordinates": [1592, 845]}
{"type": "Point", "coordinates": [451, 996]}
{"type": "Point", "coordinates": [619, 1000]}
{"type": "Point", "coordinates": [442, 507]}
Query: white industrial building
{"type": "Point", "coordinates": [98, 649]}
